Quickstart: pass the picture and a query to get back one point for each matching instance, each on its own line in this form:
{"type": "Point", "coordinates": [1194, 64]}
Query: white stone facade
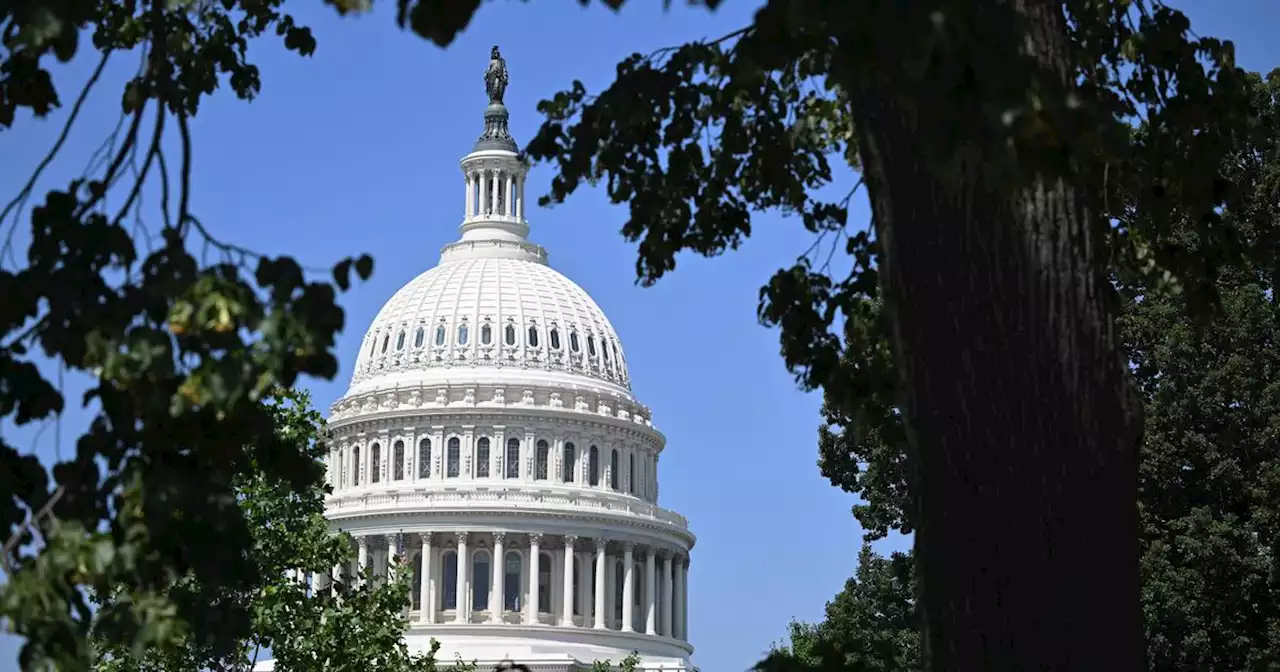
{"type": "Point", "coordinates": [490, 440]}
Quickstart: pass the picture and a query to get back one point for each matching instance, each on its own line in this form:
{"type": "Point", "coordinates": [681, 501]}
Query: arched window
{"type": "Point", "coordinates": [375, 463]}
{"type": "Point", "coordinates": [512, 466]}
{"type": "Point", "coordinates": [480, 576]}
{"type": "Point", "coordinates": [613, 470]}
{"type": "Point", "coordinates": [462, 334]}
{"type": "Point", "coordinates": [486, 335]}
{"type": "Point", "coordinates": [424, 458]}
{"type": "Point", "coordinates": [593, 466]}
{"type": "Point", "coordinates": [570, 461]}
{"type": "Point", "coordinates": [449, 596]}
{"type": "Point", "coordinates": [544, 583]}
{"type": "Point", "coordinates": [511, 582]}
{"type": "Point", "coordinates": [573, 341]}
{"type": "Point", "coordinates": [533, 336]}
{"type": "Point", "coordinates": [543, 460]}
{"type": "Point", "coordinates": [454, 457]}
{"type": "Point", "coordinates": [355, 465]}
{"type": "Point", "coordinates": [510, 334]}
{"type": "Point", "coordinates": [554, 337]}
{"type": "Point", "coordinates": [482, 457]}
{"type": "Point", "coordinates": [386, 340]}
{"type": "Point", "coordinates": [618, 580]}
{"type": "Point", "coordinates": [400, 341]}
{"type": "Point", "coordinates": [591, 345]}
{"type": "Point", "coordinates": [440, 335]}
{"type": "Point", "coordinates": [418, 337]}
{"type": "Point", "coordinates": [397, 461]}
{"type": "Point", "coordinates": [604, 349]}
{"type": "Point", "coordinates": [631, 472]}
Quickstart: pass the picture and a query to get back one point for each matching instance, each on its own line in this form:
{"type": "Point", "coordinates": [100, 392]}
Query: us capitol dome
{"type": "Point", "coordinates": [490, 438]}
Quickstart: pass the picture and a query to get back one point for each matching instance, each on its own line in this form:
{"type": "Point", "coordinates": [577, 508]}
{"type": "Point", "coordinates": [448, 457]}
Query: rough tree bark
{"type": "Point", "coordinates": [1024, 430]}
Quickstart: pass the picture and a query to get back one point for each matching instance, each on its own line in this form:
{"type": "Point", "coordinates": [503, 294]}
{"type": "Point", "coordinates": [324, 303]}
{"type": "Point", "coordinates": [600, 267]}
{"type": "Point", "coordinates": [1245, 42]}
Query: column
{"type": "Point", "coordinates": [650, 594]}
{"type": "Point", "coordinates": [362, 558]}
{"type": "Point", "coordinates": [365, 461]}
{"type": "Point", "coordinates": [677, 627]}
{"type": "Point", "coordinates": [668, 560]}
{"type": "Point", "coordinates": [470, 194]}
{"type": "Point", "coordinates": [535, 540]}
{"type": "Point", "coordinates": [497, 596]}
{"type": "Point", "coordinates": [508, 188]}
{"type": "Point", "coordinates": [566, 612]}
{"type": "Point", "coordinates": [426, 601]}
{"type": "Point", "coordinates": [482, 192]}
{"type": "Point", "coordinates": [437, 443]}
{"type": "Point", "coordinates": [628, 586]}
{"type": "Point", "coordinates": [391, 557]}
{"type": "Point", "coordinates": [599, 608]}
{"type": "Point", "coordinates": [520, 197]}
{"type": "Point", "coordinates": [463, 612]}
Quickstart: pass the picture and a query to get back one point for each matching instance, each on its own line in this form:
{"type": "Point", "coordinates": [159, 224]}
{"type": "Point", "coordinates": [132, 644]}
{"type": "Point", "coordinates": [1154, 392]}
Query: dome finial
{"type": "Point", "coordinates": [495, 78]}
{"type": "Point", "coordinates": [496, 134]}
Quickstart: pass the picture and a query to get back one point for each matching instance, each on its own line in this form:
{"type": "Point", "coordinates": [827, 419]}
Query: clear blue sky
{"type": "Point", "coordinates": [356, 149]}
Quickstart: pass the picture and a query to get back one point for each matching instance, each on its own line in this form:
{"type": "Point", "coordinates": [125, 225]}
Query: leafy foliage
{"type": "Point", "coordinates": [356, 625]}
{"type": "Point", "coordinates": [181, 344]}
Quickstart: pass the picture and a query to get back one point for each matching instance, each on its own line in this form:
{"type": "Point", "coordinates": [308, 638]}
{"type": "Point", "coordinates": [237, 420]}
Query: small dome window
{"type": "Point", "coordinates": [400, 341]}
{"type": "Point", "coordinates": [604, 350]}
{"type": "Point", "coordinates": [386, 340]}
{"type": "Point", "coordinates": [554, 337]}
{"type": "Point", "coordinates": [419, 337]}
{"type": "Point", "coordinates": [486, 335]}
{"type": "Point", "coordinates": [533, 336]}
{"type": "Point", "coordinates": [373, 346]}
{"type": "Point", "coordinates": [440, 335]}
{"type": "Point", "coordinates": [573, 341]}
{"type": "Point", "coordinates": [591, 346]}
{"type": "Point", "coordinates": [462, 334]}
{"type": "Point", "coordinates": [510, 335]}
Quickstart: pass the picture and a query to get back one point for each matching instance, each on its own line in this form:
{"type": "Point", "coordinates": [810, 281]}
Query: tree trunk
{"type": "Point", "coordinates": [1024, 428]}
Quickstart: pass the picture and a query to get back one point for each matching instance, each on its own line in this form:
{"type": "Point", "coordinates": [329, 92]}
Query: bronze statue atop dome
{"type": "Point", "coordinates": [495, 78]}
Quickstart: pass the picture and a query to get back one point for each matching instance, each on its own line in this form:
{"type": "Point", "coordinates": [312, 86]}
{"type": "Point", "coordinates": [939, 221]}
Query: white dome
{"type": "Point", "coordinates": [489, 314]}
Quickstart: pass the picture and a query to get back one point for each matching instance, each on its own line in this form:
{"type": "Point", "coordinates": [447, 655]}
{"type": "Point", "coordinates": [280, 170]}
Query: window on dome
{"type": "Point", "coordinates": [397, 461]}
{"type": "Point", "coordinates": [486, 335]}
{"type": "Point", "coordinates": [593, 466]}
{"type": "Point", "coordinates": [482, 457]}
{"type": "Point", "coordinates": [613, 470]}
{"type": "Point", "coordinates": [400, 341]}
{"type": "Point", "coordinates": [533, 336]}
{"type": "Point", "coordinates": [480, 581]}
{"type": "Point", "coordinates": [512, 465]}
{"type": "Point", "coordinates": [544, 583]}
{"type": "Point", "coordinates": [462, 334]}
{"type": "Point", "coordinates": [386, 341]}
{"type": "Point", "coordinates": [424, 458]}
{"type": "Point", "coordinates": [573, 341]}
{"type": "Point", "coordinates": [355, 465]}
{"type": "Point", "coordinates": [543, 460]}
{"type": "Point", "coordinates": [604, 350]}
{"type": "Point", "coordinates": [511, 582]}
{"type": "Point", "coordinates": [449, 596]}
{"type": "Point", "coordinates": [510, 334]}
{"type": "Point", "coordinates": [419, 337]}
{"type": "Point", "coordinates": [631, 472]}
{"type": "Point", "coordinates": [373, 346]}
{"type": "Point", "coordinates": [570, 461]}
{"type": "Point", "coordinates": [554, 338]}
{"type": "Point", "coordinates": [440, 335]}
{"type": "Point", "coordinates": [375, 455]}
{"type": "Point", "coordinates": [454, 457]}
{"type": "Point", "coordinates": [591, 345]}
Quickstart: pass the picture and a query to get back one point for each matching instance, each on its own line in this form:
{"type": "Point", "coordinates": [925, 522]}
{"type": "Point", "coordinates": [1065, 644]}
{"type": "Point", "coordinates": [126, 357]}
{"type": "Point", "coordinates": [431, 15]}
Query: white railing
{"type": "Point", "coordinates": [484, 498]}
